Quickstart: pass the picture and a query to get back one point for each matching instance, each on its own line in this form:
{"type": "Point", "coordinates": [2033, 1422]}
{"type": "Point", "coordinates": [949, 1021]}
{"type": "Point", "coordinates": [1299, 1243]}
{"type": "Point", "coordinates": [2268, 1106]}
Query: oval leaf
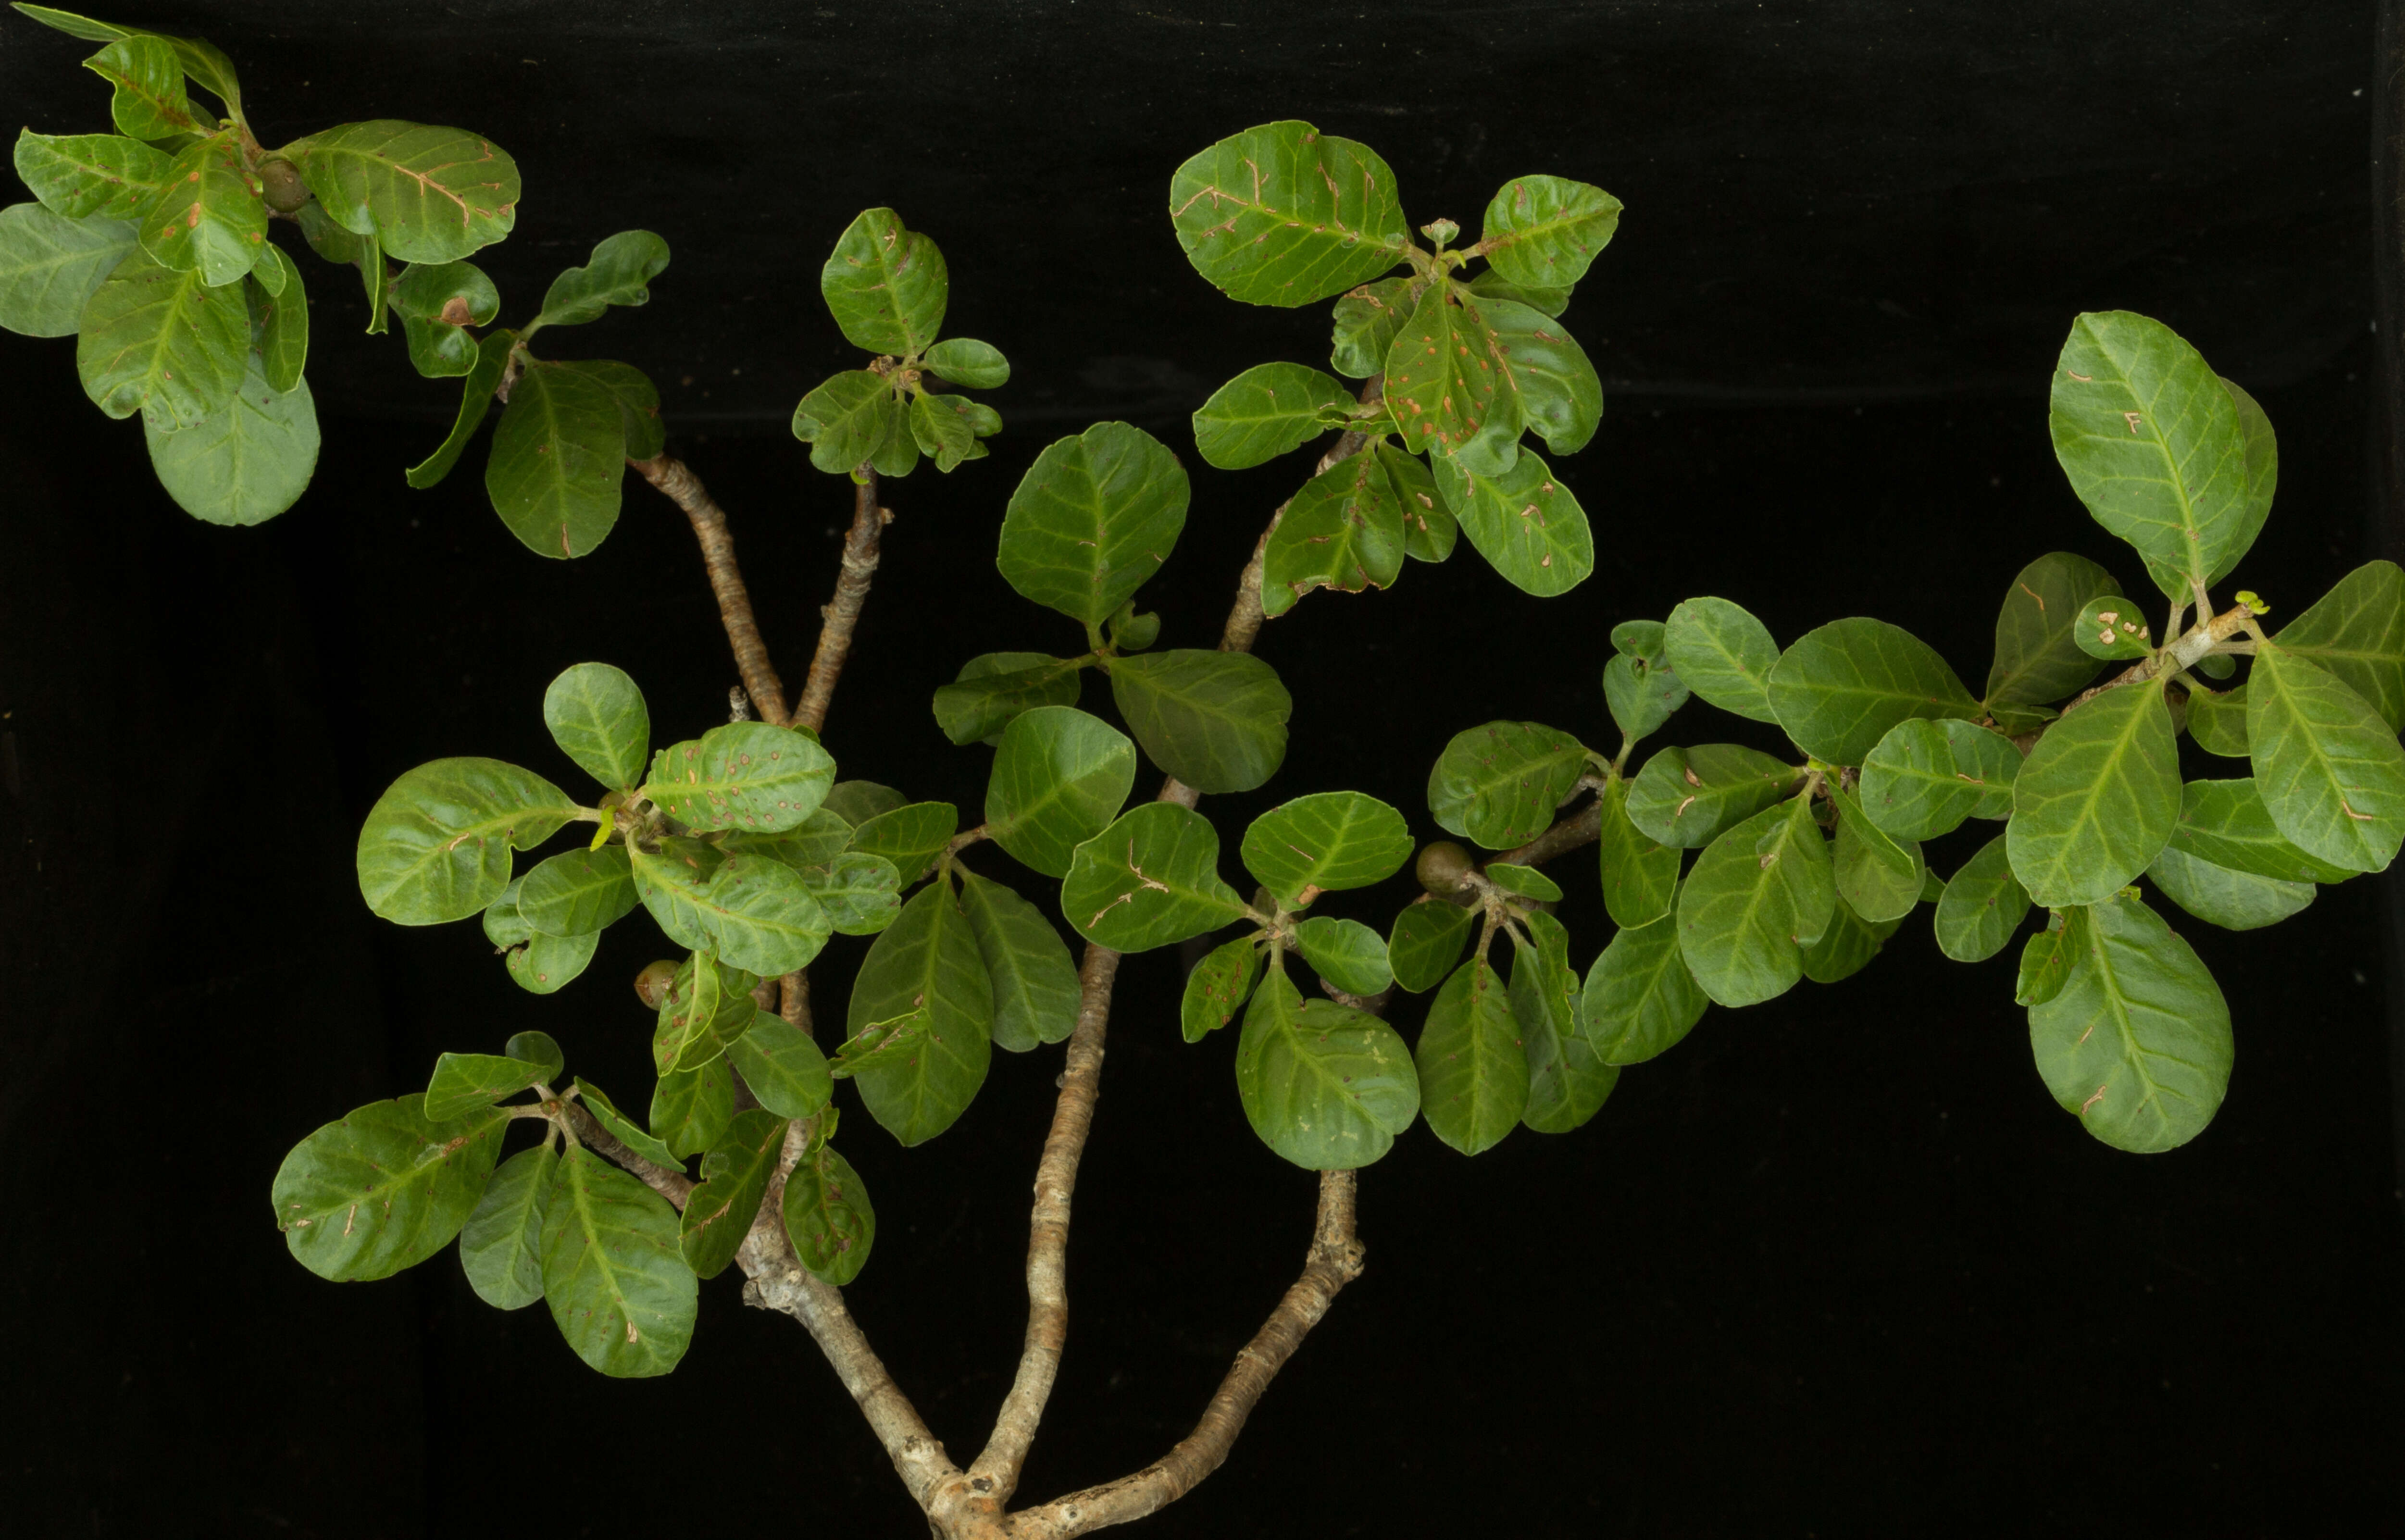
{"type": "Point", "coordinates": [436, 846]}
{"type": "Point", "coordinates": [1325, 1086]}
{"type": "Point", "coordinates": [619, 1288]}
{"type": "Point", "coordinates": [1265, 412]}
{"type": "Point", "coordinates": [1499, 784]}
{"type": "Point", "coordinates": [1473, 1072]}
{"type": "Point", "coordinates": [1216, 720]}
{"type": "Point", "coordinates": [1060, 778]}
{"type": "Point", "coordinates": [1283, 215]}
{"type": "Point", "coordinates": [384, 1188]}
{"type": "Point", "coordinates": [1093, 517]}
{"type": "Point", "coordinates": [752, 775]}
{"type": "Point", "coordinates": [1324, 843]}
{"type": "Point", "coordinates": [2097, 798]}
{"type": "Point", "coordinates": [1150, 879]}
{"type": "Point", "coordinates": [927, 960]}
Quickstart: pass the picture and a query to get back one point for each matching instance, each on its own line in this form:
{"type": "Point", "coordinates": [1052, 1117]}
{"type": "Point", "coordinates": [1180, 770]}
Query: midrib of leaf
{"type": "Point", "coordinates": [1290, 1024]}
{"type": "Point", "coordinates": [581, 1195]}
{"type": "Point", "coordinates": [2131, 1052]}
{"type": "Point", "coordinates": [1482, 1071]}
{"type": "Point", "coordinates": [2281, 699]}
{"type": "Point", "coordinates": [2192, 545]}
{"type": "Point", "coordinates": [2094, 790]}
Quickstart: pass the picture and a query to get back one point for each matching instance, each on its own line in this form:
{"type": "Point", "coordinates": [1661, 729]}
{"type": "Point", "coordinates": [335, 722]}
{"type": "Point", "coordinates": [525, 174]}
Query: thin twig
{"type": "Point", "coordinates": [659, 1178]}
{"type": "Point", "coordinates": [860, 554]}
{"type": "Point", "coordinates": [681, 486]}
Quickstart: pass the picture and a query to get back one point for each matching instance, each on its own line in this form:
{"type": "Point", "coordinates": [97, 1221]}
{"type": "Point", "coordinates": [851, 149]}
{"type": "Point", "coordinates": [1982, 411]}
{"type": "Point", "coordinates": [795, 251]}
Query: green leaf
{"type": "Point", "coordinates": [618, 273]}
{"type": "Point", "coordinates": [501, 1245]}
{"type": "Point", "coordinates": [2044, 966]}
{"type": "Point", "coordinates": [1924, 777]}
{"type": "Point", "coordinates": [538, 1048]}
{"type": "Point", "coordinates": [910, 837]}
{"type": "Point", "coordinates": [860, 893]}
{"type": "Point", "coordinates": [783, 1067]}
{"type": "Point", "coordinates": [1878, 874]}
{"type": "Point", "coordinates": [1035, 988]}
{"type": "Point", "coordinates": [2112, 628]}
{"type": "Point", "coordinates": [1425, 941]}
{"type": "Point", "coordinates": [816, 841]}
{"type": "Point", "coordinates": [1526, 881]}
{"type": "Point", "coordinates": [2325, 765]}
{"type": "Point", "coordinates": [1265, 412]}
{"type": "Point", "coordinates": [2136, 1043]}
{"type": "Point", "coordinates": [928, 959]}
{"type": "Point", "coordinates": [1838, 690]}
{"type": "Point", "coordinates": [283, 323]}
{"type": "Point", "coordinates": [1444, 388]}
{"type": "Point", "coordinates": [638, 403]}
{"type": "Point", "coordinates": [1429, 529]}
{"type": "Point", "coordinates": [149, 101]}
{"type": "Point", "coordinates": [2357, 631]}
{"type": "Point", "coordinates": [1473, 1072]}
{"type": "Point", "coordinates": [558, 458]}
{"type": "Point", "coordinates": [1723, 655]}
{"type": "Point", "coordinates": [2150, 439]}
{"type": "Point", "coordinates": [2235, 901]}
{"type": "Point", "coordinates": [1759, 894]}
{"type": "Point", "coordinates": [2224, 823]}
{"type": "Point", "coordinates": [624, 1129]}
{"type": "Point", "coordinates": [1367, 319]}
{"type": "Point", "coordinates": [751, 911]}
{"type": "Point", "coordinates": [1545, 229]}
{"type": "Point", "coordinates": [578, 893]}
{"type": "Point", "coordinates": [245, 463]}
{"type": "Point", "coordinates": [163, 344]}
{"type": "Point", "coordinates": [1639, 997]}
{"type": "Point", "coordinates": [1059, 779]}
{"type": "Point", "coordinates": [898, 450]}
{"type": "Point", "coordinates": [691, 1108]}
{"type": "Point", "coordinates": [597, 716]}
{"type": "Point", "coordinates": [51, 266]}
{"type": "Point", "coordinates": [619, 1288]}
{"type": "Point", "coordinates": [857, 801]}
{"type": "Point", "coordinates": [1847, 946]}
{"type": "Point", "coordinates": [1344, 953]}
{"type": "Point", "coordinates": [970, 363]}
{"type": "Point", "coordinates": [1642, 692]}
{"type": "Point", "coordinates": [1150, 879]}
{"type": "Point", "coordinates": [2262, 478]}
{"type": "Point", "coordinates": [437, 303]}
{"type": "Point", "coordinates": [436, 846]}
{"type": "Point", "coordinates": [708, 1006]}
{"type": "Point", "coordinates": [1325, 1086]}
{"type": "Point", "coordinates": [1640, 876]}
{"type": "Point", "coordinates": [735, 1175]}
{"type": "Point", "coordinates": [1526, 525]}
{"type": "Point", "coordinates": [1684, 798]}
{"type": "Point", "coordinates": [886, 286]}
{"type": "Point", "coordinates": [1567, 1080]}
{"type": "Point", "coordinates": [207, 217]}
{"type": "Point", "coordinates": [87, 176]}
{"type": "Point", "coordinates": [1133, 630]}
{"type": "Point", "coordinates": [543, 965]}
{"type": "Point", "coordinates": [1344, 530]}
{"type": "Point", "coordinates": [1981, 907]}
{"type": "Point", "coordinates": [2217, 719]}
{"type": "Point", "coordinates": [427, 194]}
{"type": "Point", "coordinates": [2096, 799]}
{"type": "Point", "coordinates": [72, 24]}
{"type": "Point", "coordinates": [995, 687]}
{"type": "Point", "coordinates": [373, 280]}
{"type": "Point", "coordinates": [1283, 215]}
{"type": "Point", "coordinates": [1216, 988]}
{"type": "Point", "coordinates": [845, 419]}
{"type": "Point", "coordinates": [1324, 843]}
{"type": "Point", "coordinates": [941, 432]}
{"type": "Point", "coordinates": [1093, 517]}
{"type": "Point", "coordinates": [752, 775]}
{"type": "Point", "coordinates": [1216, 720]}
{"type": "Point", "coordinates": [828, 1217]}
{"type": "Point", "coordinates": [1499, 784]}
{"type": "Point", "coordinates": [1560, 396]}
{"type": "Point", "coordinates": [475, 401]}
{"type": "Point", "coordinates": [384, 1188]}
{"type": "Point", "coordinates": [467, 1084]}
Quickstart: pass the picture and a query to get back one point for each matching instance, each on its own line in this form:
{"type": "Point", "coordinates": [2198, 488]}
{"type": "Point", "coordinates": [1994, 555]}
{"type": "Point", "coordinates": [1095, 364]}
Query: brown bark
{"type": "Point", "coordinates": [860, 556]}
{"type": "Point", "coordinates": [681, 486]}
{"type": "Point", "coordinates": [1581, 828]}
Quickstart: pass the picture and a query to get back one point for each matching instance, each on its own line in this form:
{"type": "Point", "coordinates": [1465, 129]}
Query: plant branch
{"type": "Point", "coordinates": [681, 486]}
{"type": "Point", "coordinates": [836, 621]}
{"type": "Point", "coordinates": [1244, 620]}
{"type": "Point", "coordinates": [659, 1178]}
{"type": "Point", "coordinates": [1581, 828]}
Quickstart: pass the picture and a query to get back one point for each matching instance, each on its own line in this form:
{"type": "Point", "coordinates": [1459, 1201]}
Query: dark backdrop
{"type": "Point", "coordinates": [1836, 1265]}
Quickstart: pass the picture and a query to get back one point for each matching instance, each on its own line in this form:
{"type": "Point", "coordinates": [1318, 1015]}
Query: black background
{"type": "Point", "coordinates": [1836, 1265]}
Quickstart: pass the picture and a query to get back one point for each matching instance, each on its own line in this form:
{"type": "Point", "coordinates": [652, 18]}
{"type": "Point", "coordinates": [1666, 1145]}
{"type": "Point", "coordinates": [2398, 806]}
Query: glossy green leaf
{"type": "Point", "coordinates": [1567, 1080]}
{"type": "Point", "coordinates": [1723, 655]}
{"type": "Point", "coordinates": [577, 893]}
{"type": "Point", "coordinates": [1847, 946]}
{"type": "Point", "coordinates": [751, 911]}
{"type": "Point", "coordinates": [783, 1067]}
{"type": "Point", "coordinates": [283, 324]}
{"type": "Point", "coordinates": [1925, 777]}
{"type": "Point", "coordinates": [1093, 518]}
{"type": "Point", "coordinates": [1284, 214]}
{"type": "Point", "coordinates": [619, 273]}
{"type": "Point", "coordinates": [437, 302]}
{"type": "Point", "coordinates": [709, 1005]}
{"type": "Point", "coordinates": [383, 1188]}
{"type": "Point", "coordinates": [427, 194]}
{"type": "Point", "coordinates": [2217, 722]}
{"type": "Point", "coordinates": [466, 1083]}
{"type": "Point", "coordinates": [207, 217]}
{"type": "Point", "coordinates": [1473, 1070]}
{"type": "Point", "coordinates": [2044, 966]}
{"type": "Point", "coordinates": [2136, 1043]}
{"type": "Point", "coordinates": [2357, 631]}
{"type": "Point", "coordinates": [1323, 843]}
{"type": "Point", "coordinates": [558, 459]}
{"type": "Point", "coordinates": [1216, 720]}
{"type": "Point", "coordinates": [941, 430]}
{"type": "Point", "coordinates": [1981, 907]}
{"type": "Point", "coordinates": [1878, 874]}
{"type": "Point", "coordinates": [149, 101]}
{"type": "Point", "coordinates": [1325, 1086]}
{"type": "Point", "coordinates": [1684, 797]}
{"type": "Point", "coordinates": [2150, 439]}
{"type": "Point", "coordinates": [2235, 901]}
{"type": "Point", "coordinates": [2325, 765]}
{"type": "Point", "coordinates": [691, 1108]}
{"type": "Point", "coordinates": [1216, 990]}
{"type": "Point", "coordinates": [1367, 319]}
{"type": "Point", "coordinates": [2113, 629]}
{"type": "Point", "coordinates": [896, 454]}
{"type": "Point", "coordinates": [1525, 523]}
{"type": "Point", "coordinates": [1264, 412]}
{"type": "Point", "coordinates": [1429, 529]}
{"type": "Point", "coordinates": [1059, 779]}
{"type": "Point", "coordinates": [910, 837]}
{"type": "Point", "coordinates": [1560, 396]}
{"type": "Point", "coordinates": [50, 267]}
{"type": "Point", "coordinates": [1425, 941]}
{"type": "Point", "coordinates": [995, 687]}
{"type": "Point", "coordinates": [619, 1288]}
{"type": "Point", "coordinates": [1443, 388]}
{"type": "Point", "coordinates": [2096, 799]}
{"type": "Point", "coordinates": [624, 1129]}
{"type": "Point", "coordinates": [735, 1175]}
{"type": "Point", "coordinates": [1760, 894]}
{"type": "Point", "coordinates": [1035, 988]}
{"type": "Point", "coordinates": [374, 281]}
{"type": "Point", "coordinates": [501, 1245]}
{"type": "Point", "coordinates": [436, 846]}
{"type": "Point", "coordinates": [1150, 879]}
{"type": "Point", "coordinates": [597, 716]}
{"type": "Point", "coordinates": [1344, 530]}
{"type": "Point", "coordinates": [1642, 692]}
{"type": "Point", "coordinates": [845, 419]}
{"type": "Point", "coordinates": [1499, 784]}
{"type": "Point", "coordinates": [245, 462]}
{"type": "Point", "coordinates": [887, 286]}
{"type": "Point", "coordinates": [1838, 690]}
{"type": "Point", "coordinates": [1639, 997]}
{"type": "Point", "coordinates": [1526, 881]}
{"type": "Point", "coordinates": [475, 401]}
{"type": "Point", "coordinates": [163, 344]}
{"type": "Point", "coordinates": [90, 175]}
{"type": "Point", "coordinates": [928, 959]}
{"type": "Point", "coordinates": [829, 1218]}
{"type": "Point", "coordinates": [2225, 823]}
{"type": "Point", "coordinates": [537, 963]}
{"type": "Point", "coordinates": [752, 775]}
{"type": "Point", "coordinates": [1546, 230]}
{"type": "Point", "coordinates": [970, 363]}
{"type": "Point", "coordinates": [1344, 953]}
{"type": "Point", "coordinates": [1640, 876]}
{"type": "Point", "coordinates": [539, 1048]}
{"type": "Point", "coordinates": [2037, 655]}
